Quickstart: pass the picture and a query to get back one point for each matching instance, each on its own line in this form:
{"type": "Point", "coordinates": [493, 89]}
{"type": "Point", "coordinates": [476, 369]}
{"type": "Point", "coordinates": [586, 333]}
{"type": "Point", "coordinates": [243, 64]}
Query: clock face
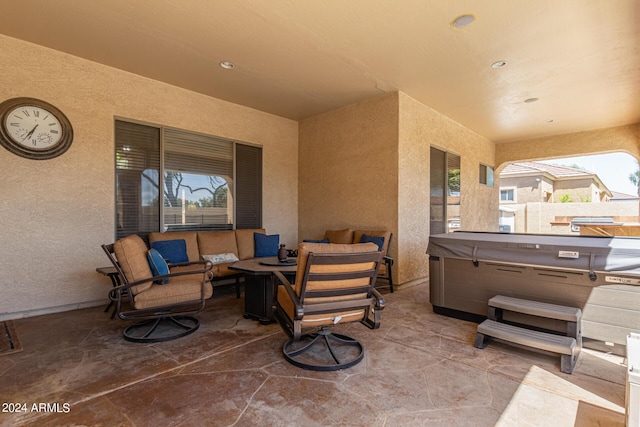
{"type": "Point", "coordinates": [33, 127]}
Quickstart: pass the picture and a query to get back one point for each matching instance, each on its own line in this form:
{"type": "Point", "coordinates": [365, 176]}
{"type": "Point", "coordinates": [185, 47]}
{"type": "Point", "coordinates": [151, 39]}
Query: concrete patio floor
{"type": "Point", "coordinates": [420, 369]}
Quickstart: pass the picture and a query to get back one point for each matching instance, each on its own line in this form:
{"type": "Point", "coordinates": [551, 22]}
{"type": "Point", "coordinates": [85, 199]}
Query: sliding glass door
{"type": "Point", "coordinates": [444, 192]}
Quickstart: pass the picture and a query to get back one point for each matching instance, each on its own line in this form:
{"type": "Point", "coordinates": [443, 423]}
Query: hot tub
{"type": "Point", "coordinates": [600, 275]}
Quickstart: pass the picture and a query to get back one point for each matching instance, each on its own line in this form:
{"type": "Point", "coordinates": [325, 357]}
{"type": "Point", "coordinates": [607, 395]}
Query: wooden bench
{"type": "Point", "coordinates": [567, 346]}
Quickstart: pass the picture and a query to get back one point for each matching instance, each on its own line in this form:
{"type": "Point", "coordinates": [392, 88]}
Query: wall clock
{"type": "Point", "coordinates": [34, 129]}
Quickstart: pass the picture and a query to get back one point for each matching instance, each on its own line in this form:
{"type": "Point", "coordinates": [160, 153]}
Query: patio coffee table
{"type": "Point", "coordinates": [260, 287]}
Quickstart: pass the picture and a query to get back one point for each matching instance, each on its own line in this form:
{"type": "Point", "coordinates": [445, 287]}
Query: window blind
{"type": "Point", "coordinates": [248, 186]}
{"type": "Point", "coordinates": [137, 179]}
{"type": "Point", "coordinates": [200, 154]}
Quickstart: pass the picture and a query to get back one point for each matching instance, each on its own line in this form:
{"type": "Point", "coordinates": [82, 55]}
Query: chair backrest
{"type": "Point", "coordinates": [129, 256]}
{"type": "Point", "coordinates": [336, 272]}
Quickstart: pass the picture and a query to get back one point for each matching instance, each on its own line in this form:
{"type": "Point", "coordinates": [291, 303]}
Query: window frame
{"type": "Point", "coordinates": [253, 184]}
{"type": "Point", "coordinates": [488, 173]}
{"type": "Point", "coordinates": [513, 190]}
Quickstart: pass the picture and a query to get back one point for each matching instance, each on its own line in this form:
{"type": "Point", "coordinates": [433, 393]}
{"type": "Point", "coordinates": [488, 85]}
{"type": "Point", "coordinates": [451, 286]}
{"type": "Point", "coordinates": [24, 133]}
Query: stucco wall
{"type": "Point", "coordinates": [420, 128]}
{"type": "Point", "coordinates": [576, 190]}
{"type": "Point", "coordinates": [367, 165]}
{"type": "Point", "coordinates": [538, 217]}
{"type": "Point", "coordinates": [349, 169]}
{"type": "Point", "coordinates": [56, 213]}
{"type": "Point", "coordinates": [599, 141]}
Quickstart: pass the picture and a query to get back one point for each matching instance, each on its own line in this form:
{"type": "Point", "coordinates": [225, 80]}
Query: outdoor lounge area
{"type": "Point", "coordinates": [380, 123]}
{"type": "Point", "coordinates": [420, 368]}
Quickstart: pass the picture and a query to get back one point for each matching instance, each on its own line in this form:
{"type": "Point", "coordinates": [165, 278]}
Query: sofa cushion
{"type": "Point", "coordinates": [131, 253]}
{"type": "Point", "coordinates": [222, 270]}
{"type": "Point", "coordinates": [158, 265]}
{"type": "Point", "coordinates": [217, 242]}
{"type": "Point", "coordinates": [266, 245]}
{"type": "Point", "coordinates": [339, 236]}
{"type": "Point", "coordinates": [246, 242]}
{"type": "Point", "coordinates": [357, 235]}
{"type": "Point", "coordinates": [373, 239]}
{"type": "Point", "coordinates": [172, 250]}
{"type": "Point", "coordinates": [325, 240]}
{"type": "Point", "coordinates": [189, 237]}
{"type": "Point", "coordinates": [221, 258]}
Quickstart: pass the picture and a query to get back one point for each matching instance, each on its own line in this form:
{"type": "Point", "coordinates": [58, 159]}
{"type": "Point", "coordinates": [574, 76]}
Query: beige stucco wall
{"type": "Point", "coordinates": [420, 128]}
{"type": "Point", "coordinates": [577, 190]}
{"type": "Point", "coordinates": [349, 169]}
{"type": "Point", "coordinates": [622, 138]}
{"type": "Point", "coordinates": [367, 166]}
{"type": "Point", "coordinates": [56, 213]}
{"type": "Point", "coordinates": [537, 217]}
{"type": "Point", "coordinates": [529, 189]}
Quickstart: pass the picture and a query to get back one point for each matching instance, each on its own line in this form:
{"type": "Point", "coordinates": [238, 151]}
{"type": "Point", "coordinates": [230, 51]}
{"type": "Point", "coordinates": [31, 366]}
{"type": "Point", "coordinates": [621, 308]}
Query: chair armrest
{"type": "Point", "coordinates": [298, 309]}
{"type": "Point", "coordinates": [206, 272]}
{"type": "Point", "coordinates": [387, 260]}
{"type": "Point", "coordinates": [182, 264]}
{"type": "Point", "coordinates": [379, 300]}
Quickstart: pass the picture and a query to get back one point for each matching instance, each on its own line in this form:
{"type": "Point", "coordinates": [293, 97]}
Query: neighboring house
{"type": "Point", "coordinates": [622, 197]}
{"type": "Point", "coordinates": [537, 197]}
{"type": "Point", "coordinates": [541, 182]}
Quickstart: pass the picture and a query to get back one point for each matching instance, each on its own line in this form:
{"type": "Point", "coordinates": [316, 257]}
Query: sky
{"type": "Point", "coordinates": [613, 169]}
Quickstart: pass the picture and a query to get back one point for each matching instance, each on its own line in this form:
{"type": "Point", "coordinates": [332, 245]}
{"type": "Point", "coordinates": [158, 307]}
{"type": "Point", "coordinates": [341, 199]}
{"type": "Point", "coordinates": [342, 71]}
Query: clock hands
{"type": "Point", "coordinates": [28, 135]}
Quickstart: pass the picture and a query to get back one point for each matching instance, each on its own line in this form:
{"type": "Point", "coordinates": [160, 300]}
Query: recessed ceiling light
{"type": "Point", "coordinates": [462, 21]}
{"type": "Point", "coordinates": [531, 100]}
{"type": "Point", "coordinates": [498, 64]}
{"type": "Point", "coordinates": [227, 65]}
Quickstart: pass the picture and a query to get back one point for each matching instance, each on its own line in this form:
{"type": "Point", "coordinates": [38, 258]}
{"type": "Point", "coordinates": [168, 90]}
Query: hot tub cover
{"type": "Point", "coordinates": [587, 253]}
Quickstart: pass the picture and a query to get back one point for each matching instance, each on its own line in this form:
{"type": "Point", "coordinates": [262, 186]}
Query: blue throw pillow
{"type": "Point", "coordinates": [373, 239]}
{"type": "Point", "coordinates": [158, 265]}
{"type": "Point", "coordinates": [172, 250]}
{"type": "Point", "coordinates": [325, 240]}
{"type": "Point", "coordinates": [266, 245]}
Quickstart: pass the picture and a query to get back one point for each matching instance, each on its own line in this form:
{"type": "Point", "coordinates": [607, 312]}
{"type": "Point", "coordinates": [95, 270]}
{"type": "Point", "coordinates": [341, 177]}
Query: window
{"type": "Point", "coordinates": [170, 179]}
{"type": "Point", "coordinates": [486, 175]}
{"type": "Point", "coordinates": [508, 195]}
{"type": "Point", "coordinates": [445, 180]}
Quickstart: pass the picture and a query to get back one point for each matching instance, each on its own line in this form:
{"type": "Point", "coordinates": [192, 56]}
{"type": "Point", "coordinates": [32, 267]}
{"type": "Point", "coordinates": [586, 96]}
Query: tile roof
{"type": "Point", "coordinates": [538, 167]}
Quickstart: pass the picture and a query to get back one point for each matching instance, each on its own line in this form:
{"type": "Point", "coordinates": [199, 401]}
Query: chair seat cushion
{"type": "Point", "coordinates": [175, 292]}
{"type": "Point", "coordinates": [315, 320]}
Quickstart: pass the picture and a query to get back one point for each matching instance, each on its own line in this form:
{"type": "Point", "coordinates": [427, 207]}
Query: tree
{"type": "Point", "coordinates": [634, 177]}
{"type": "Point", "coordinates": [173, 182]}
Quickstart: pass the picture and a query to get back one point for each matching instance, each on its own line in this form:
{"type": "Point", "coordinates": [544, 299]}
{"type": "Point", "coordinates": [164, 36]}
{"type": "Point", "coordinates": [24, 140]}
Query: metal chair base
{"type": "Point", "coordinates": [161, 329]}
{"type": "Point", "coordinates": [323, 351]}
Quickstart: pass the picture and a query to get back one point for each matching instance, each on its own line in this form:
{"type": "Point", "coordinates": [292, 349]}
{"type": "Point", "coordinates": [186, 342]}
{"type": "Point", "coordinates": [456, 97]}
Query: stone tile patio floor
{"type": "Point", "coordinates": [420, 369]}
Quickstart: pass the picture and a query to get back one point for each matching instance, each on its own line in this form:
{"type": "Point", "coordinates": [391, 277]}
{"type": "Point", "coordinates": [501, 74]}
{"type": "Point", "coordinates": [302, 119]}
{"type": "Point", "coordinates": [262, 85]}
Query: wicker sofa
{"type": "Point", "coordinates": [201, 244]}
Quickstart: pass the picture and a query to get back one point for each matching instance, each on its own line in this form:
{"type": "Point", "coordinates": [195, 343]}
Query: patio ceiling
{"type": "Point", "coordinates": [296, 59]}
